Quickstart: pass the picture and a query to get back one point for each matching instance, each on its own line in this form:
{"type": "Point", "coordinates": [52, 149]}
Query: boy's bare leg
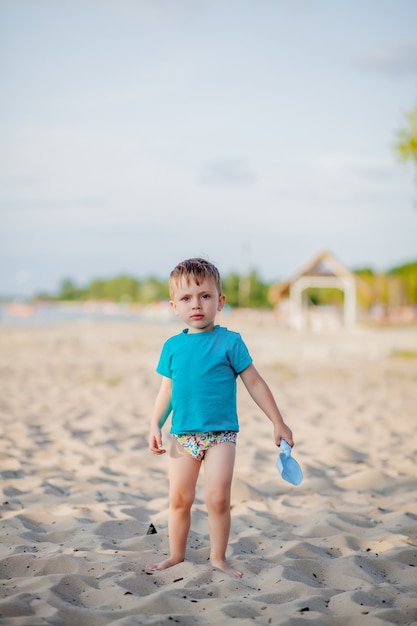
{"type": "Point", "coordinates": [218, 473]}
{"type": "Point", "coordinates": [183, 474]}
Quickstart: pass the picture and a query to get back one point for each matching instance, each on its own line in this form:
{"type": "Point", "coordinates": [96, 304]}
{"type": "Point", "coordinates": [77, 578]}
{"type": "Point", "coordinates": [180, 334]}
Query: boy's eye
{"type": "Point", "coordinates": [205, 296]}
{"type": "Point", "coordinates": [185, 298]}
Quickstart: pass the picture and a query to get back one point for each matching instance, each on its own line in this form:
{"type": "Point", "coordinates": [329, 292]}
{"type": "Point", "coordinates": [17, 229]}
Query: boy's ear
{"type": "Point", "coordinates": [222, 302]}
{"type": "Point", "coordinates": [173, 307]}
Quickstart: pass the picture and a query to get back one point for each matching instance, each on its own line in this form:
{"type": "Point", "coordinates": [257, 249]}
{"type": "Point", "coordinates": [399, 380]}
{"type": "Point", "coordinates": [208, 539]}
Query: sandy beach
{"type": "Point", "coordinates": [80, 489]}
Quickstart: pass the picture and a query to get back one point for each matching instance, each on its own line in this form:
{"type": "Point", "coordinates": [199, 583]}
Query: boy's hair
{"type": "Point", "coordinates": [196, 269]}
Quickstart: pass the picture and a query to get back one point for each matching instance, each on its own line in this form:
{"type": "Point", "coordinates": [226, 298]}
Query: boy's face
{"type": "Point", "coordinates": [197, 305]}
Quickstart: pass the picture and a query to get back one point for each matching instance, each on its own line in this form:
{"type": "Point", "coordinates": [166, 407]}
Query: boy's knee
{"type": "Point", "coordinates": [180, 501]}
{"type": "Point", "coordinates": [217, 503]}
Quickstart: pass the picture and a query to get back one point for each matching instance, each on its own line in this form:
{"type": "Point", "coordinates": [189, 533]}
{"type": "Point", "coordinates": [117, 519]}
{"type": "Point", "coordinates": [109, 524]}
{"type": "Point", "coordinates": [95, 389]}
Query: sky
{"type": "Point", "coordinates": [255, 133]}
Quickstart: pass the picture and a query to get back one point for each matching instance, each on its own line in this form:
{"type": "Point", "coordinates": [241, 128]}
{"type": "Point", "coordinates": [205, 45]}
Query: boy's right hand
{"type": "Point", "coordinates": [155, 443]}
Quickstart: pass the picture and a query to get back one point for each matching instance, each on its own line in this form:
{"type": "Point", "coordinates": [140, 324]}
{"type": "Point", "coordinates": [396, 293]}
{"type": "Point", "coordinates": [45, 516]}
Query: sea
{"type": "Point", "coordinates": [46, 313]}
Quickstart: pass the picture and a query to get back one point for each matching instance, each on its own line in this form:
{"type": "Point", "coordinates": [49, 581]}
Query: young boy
{"type": "Point", "coordinates": [199, 368]}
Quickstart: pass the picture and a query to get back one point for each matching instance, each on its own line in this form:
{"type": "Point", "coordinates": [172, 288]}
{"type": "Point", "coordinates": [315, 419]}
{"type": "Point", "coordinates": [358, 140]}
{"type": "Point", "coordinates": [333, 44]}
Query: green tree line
{"type": "Point", "coordinates": [249, 291]}
{"type": "Point", "coordinates": [406, 145]}
{"type": "Point", "coordinates": [398, 286]}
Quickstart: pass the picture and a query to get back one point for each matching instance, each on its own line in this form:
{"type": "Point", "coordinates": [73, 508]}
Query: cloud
{"type": "Point", "coordinates": [334, 165]}
{"type": "Point", "coordinates": [395, 58]}
{"type": "Point", "coordinates": [227, 172]}
{"type": "Point", "coordinates": [43, 205]}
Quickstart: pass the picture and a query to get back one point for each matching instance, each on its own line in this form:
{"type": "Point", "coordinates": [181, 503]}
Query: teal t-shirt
{"type": "Point", "coordinates": [203, 368]}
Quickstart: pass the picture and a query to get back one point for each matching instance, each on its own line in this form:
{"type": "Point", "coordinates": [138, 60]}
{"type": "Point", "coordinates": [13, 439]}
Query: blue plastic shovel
{"type": "Point", "coordinates": [287, 466]}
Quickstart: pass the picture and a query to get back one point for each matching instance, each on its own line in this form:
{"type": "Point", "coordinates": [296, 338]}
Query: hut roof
{"type": "Point", "coordinates": [323, 264]}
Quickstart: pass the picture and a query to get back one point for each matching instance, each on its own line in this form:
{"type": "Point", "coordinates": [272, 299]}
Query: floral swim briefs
{"type": "Point", "coordinates": [197, 444]}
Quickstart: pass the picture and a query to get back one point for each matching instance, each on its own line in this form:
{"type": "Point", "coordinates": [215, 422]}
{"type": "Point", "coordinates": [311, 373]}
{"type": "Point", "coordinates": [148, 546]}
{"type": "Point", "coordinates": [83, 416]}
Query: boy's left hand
{"type": "Point", "coordinates": [281, 431]}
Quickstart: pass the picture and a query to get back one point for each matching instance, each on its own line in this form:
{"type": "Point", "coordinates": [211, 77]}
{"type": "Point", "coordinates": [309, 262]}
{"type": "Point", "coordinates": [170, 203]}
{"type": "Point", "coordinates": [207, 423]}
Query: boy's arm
{"type": "Point", "coordinates": [162, 409]}
{"type": "Point", "coordinates": [262, 395]}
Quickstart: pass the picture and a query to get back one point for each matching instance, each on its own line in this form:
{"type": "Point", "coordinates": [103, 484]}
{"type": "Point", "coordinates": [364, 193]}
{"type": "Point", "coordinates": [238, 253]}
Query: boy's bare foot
{"type": "Point", "coordinates": [227, 569]}
{"type": "Point", "coordinates": [157, 567]}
